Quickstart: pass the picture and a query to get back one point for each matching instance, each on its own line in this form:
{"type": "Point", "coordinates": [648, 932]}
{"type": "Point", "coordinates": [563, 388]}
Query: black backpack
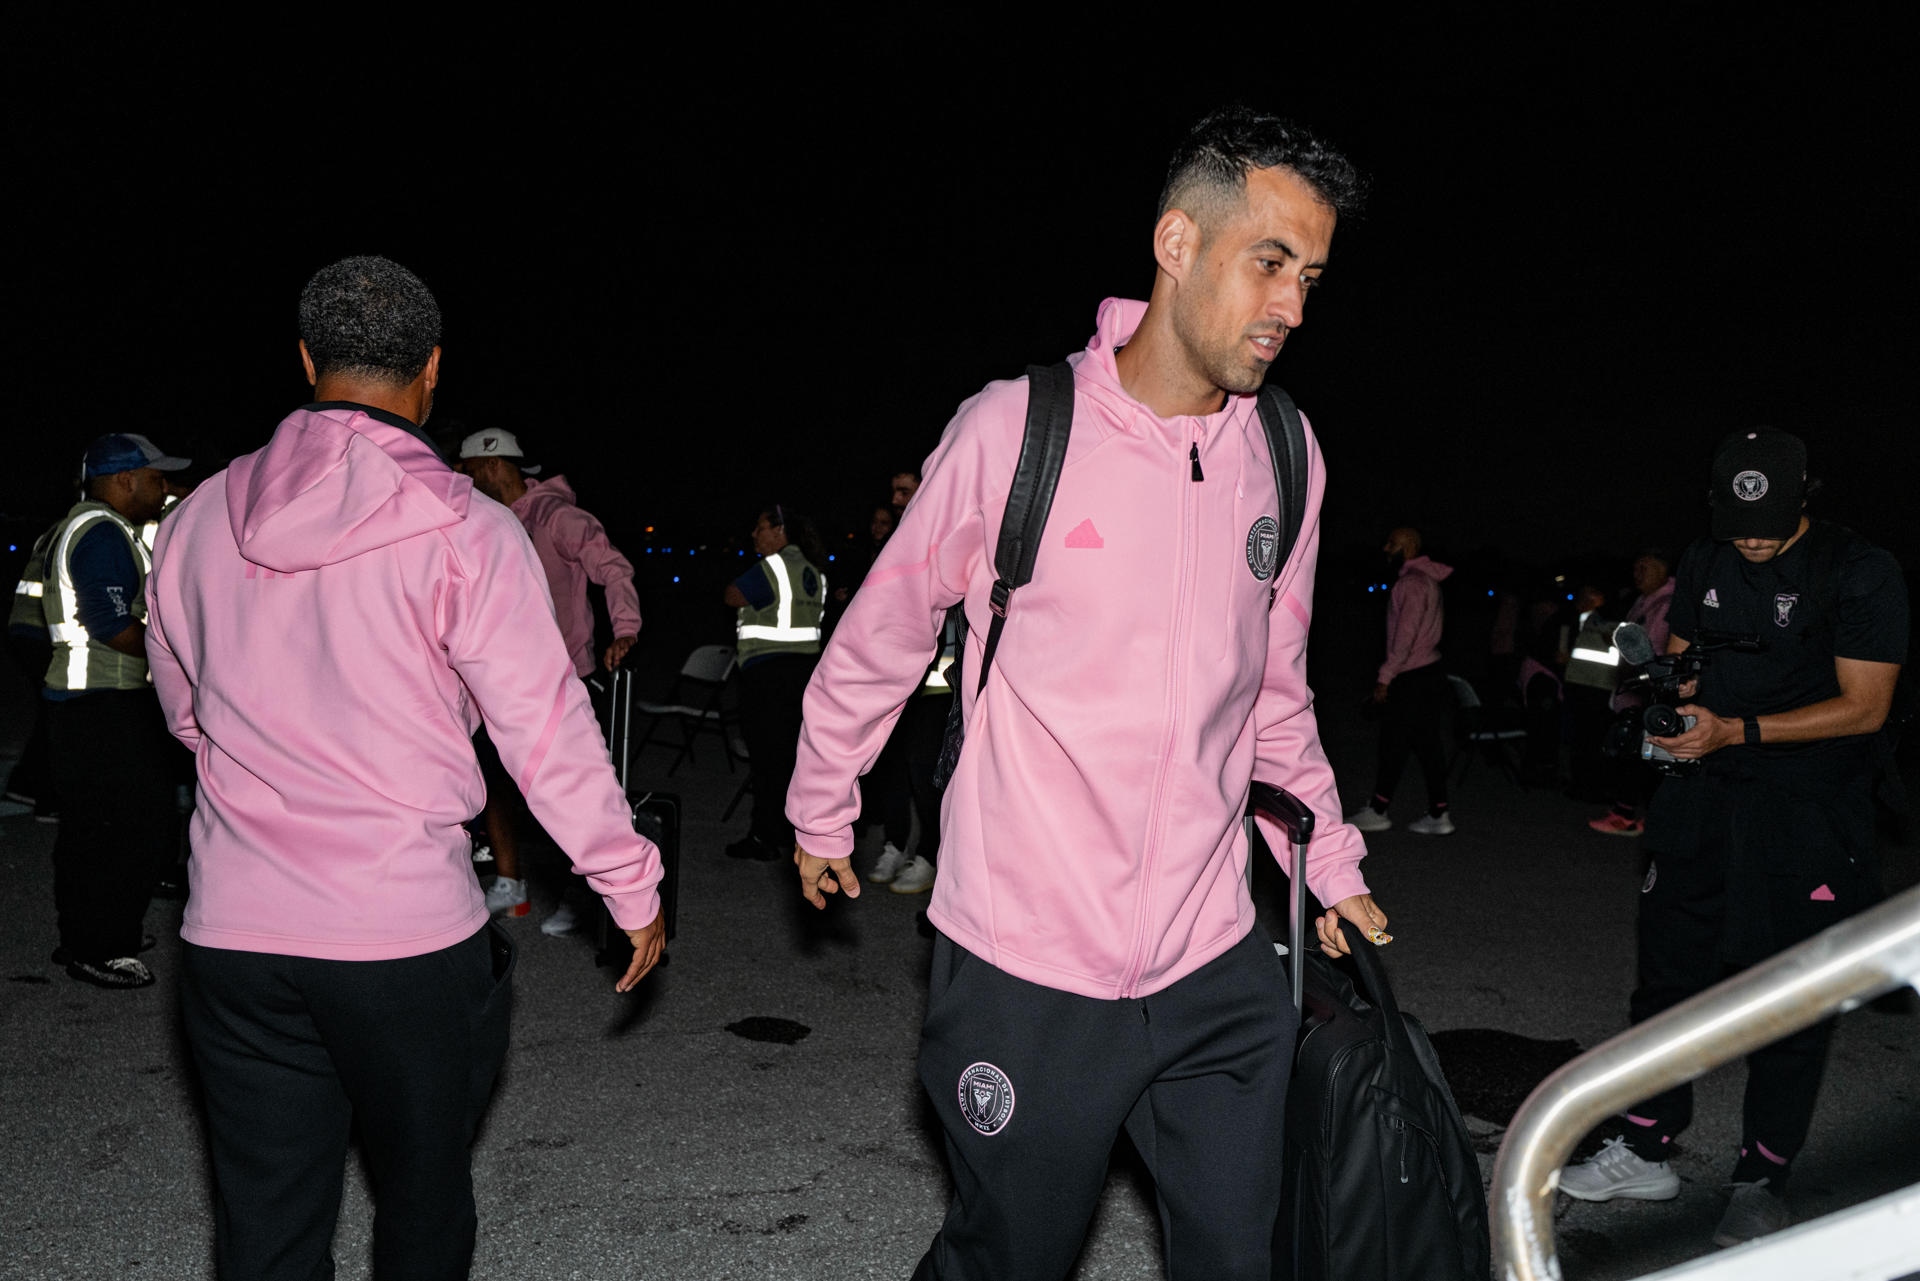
{"type": "Point", "coordinates": [1043, 451]}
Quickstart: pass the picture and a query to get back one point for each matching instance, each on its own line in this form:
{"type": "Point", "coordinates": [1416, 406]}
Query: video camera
{"type": "Point", "coordinates": [1663, 676]}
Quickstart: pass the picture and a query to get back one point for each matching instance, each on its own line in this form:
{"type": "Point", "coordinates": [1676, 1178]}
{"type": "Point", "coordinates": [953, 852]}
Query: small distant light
{"type": "Point", "coordinates": [1559, 578]}
{"type": "Point", "coordinates": [676, 578]}
{"type": "Point", "coordinates": [669, 551]}
{"type": "Point", "coordinates": [829, 560]}
{"type": "Point", "coordinates": [1369, 589]}
{"type": "Point", "coordinates": [12, 547]}
{"type": "Point", "coordinates": [1569, 595]}
{"type": "Point", "coordinates": [649, 551]}
{"type": "Point", "coordinates": [690, 551]}
{"type": "Point", "coordinates": [649, 529]}
{"type": "Point", "coordinates": [742, 552]}
{"type": "Point", "coordinates": [1489, 591]}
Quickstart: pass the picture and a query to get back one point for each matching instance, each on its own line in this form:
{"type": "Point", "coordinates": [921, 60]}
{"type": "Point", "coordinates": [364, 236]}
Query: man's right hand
{"type": "Point", "coordinates": [822, 876]}
{"type": "Point", "coordinates": [648, 942]}
{"type": "Point", "coordinates": [1363, 912]}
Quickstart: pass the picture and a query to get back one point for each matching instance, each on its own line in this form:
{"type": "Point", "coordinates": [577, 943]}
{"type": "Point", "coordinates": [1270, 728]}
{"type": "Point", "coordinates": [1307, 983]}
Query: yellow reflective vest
{"type": "Point", "coordinates": [791, 624]}
{"type": "Point", "coordinates": [27, 593]}
{"type": "Point", "coordinates": [79, 661]}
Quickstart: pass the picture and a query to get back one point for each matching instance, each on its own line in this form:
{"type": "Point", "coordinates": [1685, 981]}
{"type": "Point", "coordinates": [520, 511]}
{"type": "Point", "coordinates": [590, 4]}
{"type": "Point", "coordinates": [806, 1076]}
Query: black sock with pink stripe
{"type": "Point", "coordinates": [1757, 1162]}
{"type": "Point", "coordinates": [1647, 1138]}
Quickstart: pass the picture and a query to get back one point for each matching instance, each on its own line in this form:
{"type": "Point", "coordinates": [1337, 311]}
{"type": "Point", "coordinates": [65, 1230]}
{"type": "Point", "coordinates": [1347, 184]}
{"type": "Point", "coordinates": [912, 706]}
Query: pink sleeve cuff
{"type": "Point", "coordinates": [633, 909]}
{"type": "Point", "coordinates": [827, 845]}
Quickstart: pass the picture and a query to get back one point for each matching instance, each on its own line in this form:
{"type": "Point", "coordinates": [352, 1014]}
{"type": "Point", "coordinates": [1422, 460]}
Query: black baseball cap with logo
{"type": "Point", "coordinates": [1759, 484]}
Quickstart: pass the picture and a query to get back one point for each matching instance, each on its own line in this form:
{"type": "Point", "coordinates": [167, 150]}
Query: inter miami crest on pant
{"type": "Point", "coordinates": [986, 1098]}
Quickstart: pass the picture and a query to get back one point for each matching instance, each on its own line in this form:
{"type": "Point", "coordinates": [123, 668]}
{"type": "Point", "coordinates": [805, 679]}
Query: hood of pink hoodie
{"type": "Point", "coordinates": [1426, 567]}
{"type": "Point", "coordinates": [553, 491]}
{"type": "Point", "coordinates": [333, 484]}
{"type": "Point", "coordinates": [1114, 326]}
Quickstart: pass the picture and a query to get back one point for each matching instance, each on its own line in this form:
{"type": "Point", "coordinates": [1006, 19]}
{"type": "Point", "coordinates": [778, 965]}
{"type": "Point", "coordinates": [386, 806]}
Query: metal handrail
{"type": "Point", "coordinates": [1833, 972]}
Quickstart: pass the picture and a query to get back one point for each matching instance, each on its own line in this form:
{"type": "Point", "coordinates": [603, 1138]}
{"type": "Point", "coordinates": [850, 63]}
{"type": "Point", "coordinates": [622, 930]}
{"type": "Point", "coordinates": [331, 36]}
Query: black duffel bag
{"type": "Point", "coordinates": [1380, 1183]}
{"type": "Point", "coordinates": [1381, 1179]}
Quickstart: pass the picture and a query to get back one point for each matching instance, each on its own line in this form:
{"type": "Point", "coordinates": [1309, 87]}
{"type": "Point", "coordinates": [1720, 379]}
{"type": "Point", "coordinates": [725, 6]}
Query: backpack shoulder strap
{"type": "Point", "coordinates": [1287, 445]}
{"type": "Point", "coordinates": [1043, 451]}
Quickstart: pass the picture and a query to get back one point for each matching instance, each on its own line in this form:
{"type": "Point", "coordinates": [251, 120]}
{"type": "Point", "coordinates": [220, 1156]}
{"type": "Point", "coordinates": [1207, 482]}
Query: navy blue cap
{"type": "Point", "coordinates": [126, 451]}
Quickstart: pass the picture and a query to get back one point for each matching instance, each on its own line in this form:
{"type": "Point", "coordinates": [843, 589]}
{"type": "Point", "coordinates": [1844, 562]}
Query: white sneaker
{"type": "Point", "coordinates": [1432, 825]}
{"type": "Point", "coordinates": [563, 921]}
{"type": "Point", "coordinates": [1615, 1171]}
{"type": "Point", "coordinates": [507, 897]}
{"type": "Point", "coordinates": [1369, 819]}
{"type": "Point", "coordinates": [888, 865]}
{"type": "Point", "coordinates": [915, 878]}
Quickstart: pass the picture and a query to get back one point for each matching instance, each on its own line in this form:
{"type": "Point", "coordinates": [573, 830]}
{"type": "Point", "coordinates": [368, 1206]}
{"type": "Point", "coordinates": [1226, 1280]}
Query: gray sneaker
{"type": "Point", "coordinates": [915, 878]}
{"type": "Point", "coordinates": [1753, 1212]}
{"type": "Point", "coordinates": [1369, 819]}
{"type": "Point", "coordinates": [507, 897]}
{"type": "Point", "coordinates": [119, 972]}
{"type": "Point", "coordinates": [1616, 1171]}
{"type": "Point", "coordinates": [1432, 825]}
{"type": "Point", "coordinates": [563, 921]}
{"type": "Point", "coordinates": [889, 865]}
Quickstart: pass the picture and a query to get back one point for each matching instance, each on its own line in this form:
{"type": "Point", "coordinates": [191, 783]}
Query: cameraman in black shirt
{"type": "Point", "coordinates": [1769, 841]}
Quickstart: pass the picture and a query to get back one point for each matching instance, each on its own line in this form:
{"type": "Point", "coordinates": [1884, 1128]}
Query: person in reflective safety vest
{"type": "Point", "coordinates": [109, 744]}
{"type": "Point", "coordinates": [780, 603]}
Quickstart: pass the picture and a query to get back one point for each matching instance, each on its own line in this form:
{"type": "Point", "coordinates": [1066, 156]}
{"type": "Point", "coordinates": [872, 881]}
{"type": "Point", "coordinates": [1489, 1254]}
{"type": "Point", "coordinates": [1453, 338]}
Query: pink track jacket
{"type": "Point", "coordinates": [1091, 836]}
{"type": "Point", "coordinates": [328, 622]}
{"type": "Point", "coordinates": [573, 548]}
{"type": "Point", "coordinates": [1416, 617]}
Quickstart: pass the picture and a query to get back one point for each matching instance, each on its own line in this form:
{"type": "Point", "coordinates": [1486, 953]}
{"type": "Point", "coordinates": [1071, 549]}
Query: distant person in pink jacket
{"type": "Point", "coordinates": [1097, 965]}
{"type": "Point", "coordinates": [1411, 690]}
{"type": "Point", "coordinates": [328, 622]}
{"type": "Point", "coordinates": [574, 550]}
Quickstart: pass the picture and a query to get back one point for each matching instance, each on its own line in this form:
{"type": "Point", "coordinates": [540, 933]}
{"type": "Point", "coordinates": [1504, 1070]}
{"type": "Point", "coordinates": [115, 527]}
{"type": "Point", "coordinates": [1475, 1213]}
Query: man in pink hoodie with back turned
{"type": "Point", "coordinates": [328, 622]}
{"type": "Point", "coordinates": [1097, 965]}
{"type": "Point", "coordinates": [1411, 690]}
{"type": "Point", "coordinates": [574, 549]}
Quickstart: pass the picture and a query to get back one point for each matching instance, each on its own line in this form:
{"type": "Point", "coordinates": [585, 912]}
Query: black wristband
{"type": "Point", "coordinates": [1753, 730]}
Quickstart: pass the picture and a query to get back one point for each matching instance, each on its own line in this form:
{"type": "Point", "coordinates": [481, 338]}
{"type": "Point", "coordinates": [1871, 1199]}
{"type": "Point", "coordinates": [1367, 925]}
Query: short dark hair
{"type": "Point", "coordinates": [1211, 164]}
{"type": "Point", "coordinates": [369, 318]}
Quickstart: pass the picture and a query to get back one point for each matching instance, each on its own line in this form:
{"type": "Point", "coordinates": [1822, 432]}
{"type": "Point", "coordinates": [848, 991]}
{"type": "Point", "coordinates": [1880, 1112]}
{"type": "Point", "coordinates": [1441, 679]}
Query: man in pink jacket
{"type": "Point", "coordinates": [574, 549]}
{"type": "Point", "coordinates": [328, 622]}
{"type": "Point", "coordinates": [1097, 964]}
{"type": "Point", "coordinates": [1411, 690]}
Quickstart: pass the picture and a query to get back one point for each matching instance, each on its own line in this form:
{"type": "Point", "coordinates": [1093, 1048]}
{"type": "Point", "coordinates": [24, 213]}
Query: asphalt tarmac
{"type": "Point", "coordinates": [641, 1137]}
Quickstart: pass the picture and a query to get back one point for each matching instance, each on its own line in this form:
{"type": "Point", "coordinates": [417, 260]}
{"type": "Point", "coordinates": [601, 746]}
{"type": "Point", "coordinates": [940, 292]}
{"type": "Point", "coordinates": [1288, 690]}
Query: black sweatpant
{"type": "Point", "coordinates": [1033, 1085]}
{"type": "Point", "coordinates": [1413, 722]}
{"type": "Point", "coordinates": [770, 692]}
{"type": "Point", "coordinates": [112, 764]}
{"type": "Point", "coordinates": [1742, 868]}
{"type": "Point", "coordinates": [925, 723]}
{"type": "Point", "coordinates": [294, 1052]}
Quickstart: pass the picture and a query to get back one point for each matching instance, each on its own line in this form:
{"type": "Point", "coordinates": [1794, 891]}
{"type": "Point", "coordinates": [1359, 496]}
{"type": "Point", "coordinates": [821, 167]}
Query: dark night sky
{"type": "Point", "coordinates": [695, 270]}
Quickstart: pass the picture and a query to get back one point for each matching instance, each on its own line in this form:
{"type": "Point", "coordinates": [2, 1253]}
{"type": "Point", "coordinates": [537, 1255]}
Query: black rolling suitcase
{"type": "Point", "coordinates": [656, 816]}
{"type": "Point", "coordinates": [1381, 1183]}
